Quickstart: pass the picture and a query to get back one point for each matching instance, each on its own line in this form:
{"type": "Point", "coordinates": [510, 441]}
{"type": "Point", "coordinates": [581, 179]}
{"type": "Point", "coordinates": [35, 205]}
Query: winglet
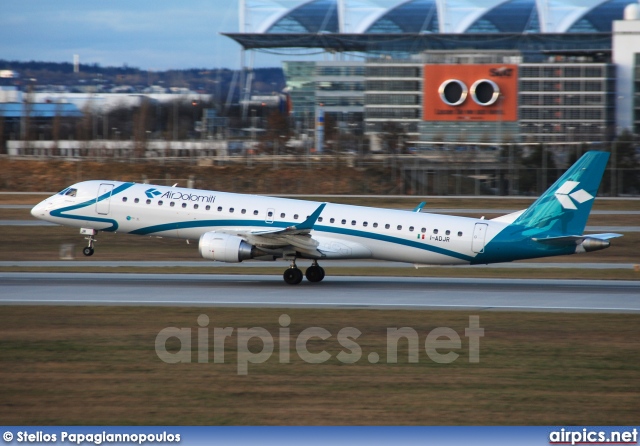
{"type": "Point", "coordinates": [311, 220]}
{"type": "Point", "coordinates": [419, 207]}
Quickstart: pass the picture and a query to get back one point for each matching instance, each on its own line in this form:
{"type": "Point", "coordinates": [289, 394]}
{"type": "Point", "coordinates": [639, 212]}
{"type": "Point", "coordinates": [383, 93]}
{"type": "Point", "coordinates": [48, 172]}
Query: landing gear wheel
{"type": "Point", "coordinates": [315, 273]}
{"type": "Point", "coordinates": [88, 251]}
{"type": "Point", "coordinates": [293, 276]}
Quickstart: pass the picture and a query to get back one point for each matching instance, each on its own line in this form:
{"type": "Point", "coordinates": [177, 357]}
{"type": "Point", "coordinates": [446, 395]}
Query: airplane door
{"type": "Point", "coordinates": [103, 200]}
{"type": "Point", "coordinates": [269, 217]}
{"type": "Point", "coordinates": [479, 233]}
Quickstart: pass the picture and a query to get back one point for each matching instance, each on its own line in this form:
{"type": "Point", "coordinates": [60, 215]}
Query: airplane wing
{"type": "Point", "coordinates": [303, 228]}
{"type": "Point", "coordinates": [297, 236]}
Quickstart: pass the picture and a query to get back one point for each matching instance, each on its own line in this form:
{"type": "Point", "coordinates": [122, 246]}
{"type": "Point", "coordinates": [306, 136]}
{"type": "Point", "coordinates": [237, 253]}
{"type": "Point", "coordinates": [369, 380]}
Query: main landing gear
{"type": "Point", "coordinates": [89, 250]}
{"type": "Point", "coordinates": [293, 275]}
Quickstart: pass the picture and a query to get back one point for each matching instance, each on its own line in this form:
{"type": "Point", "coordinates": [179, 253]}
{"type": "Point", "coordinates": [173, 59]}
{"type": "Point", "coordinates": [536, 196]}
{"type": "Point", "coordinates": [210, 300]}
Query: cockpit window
{"type": "Point", "coordinates": [71, 192]}
{"type": "Point", "coordinates": [63, 191]}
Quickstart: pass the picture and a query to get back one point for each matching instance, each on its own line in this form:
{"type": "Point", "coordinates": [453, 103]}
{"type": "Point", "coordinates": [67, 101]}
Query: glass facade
{"type": "Point", "coordinates": [422, 17]}
{"type": "Point", "coordinates": [417, 16]}
{"type": "Point", "coordinates": [318, 16]}
{"type": "Point", "coordinates": [515, 16]}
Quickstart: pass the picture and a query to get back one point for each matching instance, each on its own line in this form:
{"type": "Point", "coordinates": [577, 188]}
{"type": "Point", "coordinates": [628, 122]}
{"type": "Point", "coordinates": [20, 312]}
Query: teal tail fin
{"type": "Point", "coordinates": [564, 208]}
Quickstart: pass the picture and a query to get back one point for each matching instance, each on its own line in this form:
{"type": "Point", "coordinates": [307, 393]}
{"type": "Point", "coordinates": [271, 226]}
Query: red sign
{"type": "Point", "coordinates": [487, 92]}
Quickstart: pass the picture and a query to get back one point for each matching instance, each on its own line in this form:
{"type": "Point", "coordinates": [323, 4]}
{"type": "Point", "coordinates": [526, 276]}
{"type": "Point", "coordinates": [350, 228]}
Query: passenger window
{"type": "Point", "coordinates": [375, 225]}
{"type": "Point", "coordinates": [270, 214]}
{"type": "Point", "coordinates": [184, 205]}
{"type": "Point", "coordinates": [410, 228]}
{"type": "Point", "coordinates": [244, 211]}
{"type": "Point", "coordinates": [365, 224]}
{"type": "Point", "coordinates": [137, 200]}
{"type": "Point", "coordinates": [255, 212]}
{"type": "Point", "coordinates": [333, 220]}
{"type": "Point", "coordinates": [295, 217]}
{"type": "Point", "coordinates": [320, 219]}
{"type": "Point", "coordinates": [219, 208]}
{"type": "Point", "coordinates": [172, 204]}
{"type": "Point", "coordinates": [353, 222]}
{"type": "Point", "coordinates": [231, 210]}
{"type": "Point", "coordinates": [195, 206]}
{"type": "Point", "coordinates": [423, 230]}
{"type": "Point", "coordinates": [148, 201]}
{"type": "Point", "coordinates": [435, 231]}
{"type": "Point", "coordinates": [447, 232]}
{"type": "Point", "coordinates": [460, 234]}
{"type": "Point", "coordinates": [399, 227]}
{"type": "Point", "coordinates": [160, 203]}
{"type": "Point", "coordinates": [387, 226]}
{"type": "Point", "coordinates": [344, 222]}
{"type": "Point", "coordinates": [282, 215]}
{"type": "Point", "coordinates": [207, 208]}
{"type": "Point", "coordinates": [124, 199]}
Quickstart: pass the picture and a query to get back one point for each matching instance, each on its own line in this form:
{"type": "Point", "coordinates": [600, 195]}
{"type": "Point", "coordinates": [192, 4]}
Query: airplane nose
{"type": "Point", "coordinates": [38, 210]}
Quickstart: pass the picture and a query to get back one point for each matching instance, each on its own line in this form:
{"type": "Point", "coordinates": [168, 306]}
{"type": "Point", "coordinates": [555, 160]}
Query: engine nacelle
{"type": "Point", "coordinates": [225, 248]}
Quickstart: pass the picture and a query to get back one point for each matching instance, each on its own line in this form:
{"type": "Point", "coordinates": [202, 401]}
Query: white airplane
{"type": "Point", "coordinates": [236, 227]}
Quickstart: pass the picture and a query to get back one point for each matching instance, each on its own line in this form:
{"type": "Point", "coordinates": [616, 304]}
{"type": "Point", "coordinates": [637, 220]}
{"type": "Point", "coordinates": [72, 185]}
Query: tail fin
{"type": "Point", "coordinates": [564, 208]}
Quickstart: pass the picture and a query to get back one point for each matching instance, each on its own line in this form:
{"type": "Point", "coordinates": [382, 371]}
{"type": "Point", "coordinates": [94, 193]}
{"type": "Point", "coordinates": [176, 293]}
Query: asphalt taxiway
{"type": "Point", "coordinates": [333, 292]}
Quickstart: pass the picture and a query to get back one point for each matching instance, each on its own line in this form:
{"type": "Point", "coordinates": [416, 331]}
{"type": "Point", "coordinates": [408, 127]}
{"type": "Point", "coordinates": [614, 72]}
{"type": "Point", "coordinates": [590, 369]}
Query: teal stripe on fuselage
{"type": "Point", "coordinates": [114, 224]}
{"type": "Point", "coordinates": [320, 228]}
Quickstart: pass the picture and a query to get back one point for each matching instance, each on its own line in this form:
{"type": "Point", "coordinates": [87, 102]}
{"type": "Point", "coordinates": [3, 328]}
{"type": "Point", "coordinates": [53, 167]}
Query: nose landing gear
{"type": "Point", "coordinates": [89, 250]}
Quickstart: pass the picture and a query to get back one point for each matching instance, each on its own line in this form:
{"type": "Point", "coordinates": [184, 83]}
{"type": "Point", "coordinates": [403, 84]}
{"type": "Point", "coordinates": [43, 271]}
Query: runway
{"type": "Point", "coordinates": [334, 292]}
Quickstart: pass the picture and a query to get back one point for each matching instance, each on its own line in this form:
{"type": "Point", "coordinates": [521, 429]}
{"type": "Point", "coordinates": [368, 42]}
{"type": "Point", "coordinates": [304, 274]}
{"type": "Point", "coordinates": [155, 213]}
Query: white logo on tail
{"type": "Point", "coordinates": [566, 198]}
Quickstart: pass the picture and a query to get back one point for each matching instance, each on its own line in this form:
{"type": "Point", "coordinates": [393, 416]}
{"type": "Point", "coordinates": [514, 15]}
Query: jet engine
{"type": "Point", "coordinates": [225, 248]}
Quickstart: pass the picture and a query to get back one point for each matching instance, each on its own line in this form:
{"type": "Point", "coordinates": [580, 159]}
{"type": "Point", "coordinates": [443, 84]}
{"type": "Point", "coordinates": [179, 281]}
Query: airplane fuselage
{"type": "Point", "coordinates": [344, 231]}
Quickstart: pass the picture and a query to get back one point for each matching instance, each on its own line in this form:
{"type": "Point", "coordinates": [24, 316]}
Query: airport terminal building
{"type": "Point", "coordinates": [487, 72]}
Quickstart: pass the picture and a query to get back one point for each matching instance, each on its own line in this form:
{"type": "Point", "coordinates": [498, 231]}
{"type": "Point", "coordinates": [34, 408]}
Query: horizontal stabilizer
{"type": "Point", "coordinates": [575, 239]}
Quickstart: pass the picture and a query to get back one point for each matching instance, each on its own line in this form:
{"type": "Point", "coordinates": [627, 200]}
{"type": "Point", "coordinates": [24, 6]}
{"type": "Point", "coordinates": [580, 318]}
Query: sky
{"type": "Point", "coordinates": [147, 34]}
